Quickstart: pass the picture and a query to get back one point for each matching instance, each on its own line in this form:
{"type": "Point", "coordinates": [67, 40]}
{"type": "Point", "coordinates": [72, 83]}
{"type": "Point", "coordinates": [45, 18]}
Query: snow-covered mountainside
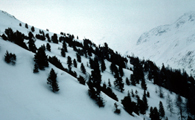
{"type": "Point", "coordinates": [171, 44]}
{"type": "Point", "coordinates": [114, 87]}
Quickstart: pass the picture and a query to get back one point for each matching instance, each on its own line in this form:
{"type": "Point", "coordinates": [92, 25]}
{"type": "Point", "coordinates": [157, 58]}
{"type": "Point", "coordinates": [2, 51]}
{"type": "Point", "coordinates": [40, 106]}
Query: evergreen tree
{"type": "Point", "coordinates": [48, 37]}
{"type": "Point", "coordinates": [31, 45]}
{"type": "Point", "coordinates": [63, 52]}
{"type": "Point", "coordinates": [32, 29]}
{"type": "Point", "coordinates": [10, 58]}
{"type": "Point", "coordinates": [48, 47]}
{"type": "Point", "coordinates": [121, 71]}
{"type": "Point", "coordinates": [83, 68]}
{"type": "Point", "coordinates": [94, 93]}
{"type": "Point", "coordinates": [180, 106]}
{"type": "Point", "coordinates": [133, 80]}
{"type": "Point", "coordinates": [69, 62]}
{"type": "Point", "coordinates": [26, 25]}
{"type": "Point", "coordinates": [103, 66]}
{"type": "Point", "coordinates": [145, 101]}
{"type": "Point", "coordinates": [154, 115]}
{"type": "Point", "coordinates": [118, 83]}
{"type": "Point", "coordinates": [161, 110]}
{"type": "Point", "coordinates": [143, 84]}
{"type": "Point", "coordinates": [64, 46]}
{"type": "Point", "coordinates": [81, 80]}
{"type": "Point", "coordinates": [52, 82]}
{"type": "Point", "coordinates": [169, 104]}
{"type": "Point", "coordinates": [54, 38]}
{"type": "Point", "coordinates": [161, 92]}
{"type": "Point", "coordinates": [36, 69]}
{"type": "Point", "coordinates": [40, 58]}
{"type": "Point", "coordinates": [117, 110]}
{"type": "Point", "coordinates": [78, 57]}
{"type": "Point", "coordinates": [75, 63]}
{"type": "Point", "coordinates": [127, 81]}
{"type": "Point", "coordinates": [129, 106]}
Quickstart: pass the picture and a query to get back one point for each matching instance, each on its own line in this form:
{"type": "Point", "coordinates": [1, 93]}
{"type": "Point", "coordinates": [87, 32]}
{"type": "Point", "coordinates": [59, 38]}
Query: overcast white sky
{"type": "Point", "coordinates": [117, 22]}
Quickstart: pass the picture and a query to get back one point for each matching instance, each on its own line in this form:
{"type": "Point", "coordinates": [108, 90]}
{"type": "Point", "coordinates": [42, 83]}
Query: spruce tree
{"type": "Point", "coordinates": [143, 84]}
{"type": "Point", "coordinates": [36, 69]}
{"type": "Point", "coordinates": [127, 81]}
{"type": "Point", "coordinates": [69, 62]}
{"type": "Point", "coordinates": [48, 47]}
{"type": "Point", "coordinates": [75, 63]}
{"type": "Point", "coordinates": [83, 68]}
{"type": "Point", "coordinates": [78, 57]}
{"type": "Point", "coordinates": [119, 85]}
{"type": "Point", "coordinates": [103, 66]}
{"type": "Point", "coordinates": [161, 110]}
{"type": "Point", "coordinates": [121, 71]}
{"type": "Point", "coordinates": [154, 115]}
{"type": "Point", "coordinates": [31, 45]}
{"type": "Point", "coordinates": [63, 52]}
{"type": "Point", "coordinates": [144, 99]}
{"type": "Point", "coordinates": [169, 104]}
{"type": "Point", "coordinates": [32, 29]}
{"type": "Point", "coordinates": [52, 82]}
{"type": "Point", "coordinates": [64, 46]}
{"type": "Point", "coordinates": [40, 58]}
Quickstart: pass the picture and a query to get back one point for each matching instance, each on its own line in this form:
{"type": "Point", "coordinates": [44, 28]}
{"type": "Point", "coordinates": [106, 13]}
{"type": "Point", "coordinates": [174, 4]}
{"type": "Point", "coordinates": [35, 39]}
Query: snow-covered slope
{"type": "Point", "coordinates": [26, 95]}
{"type": "Point", "coordinates": [171, 44]}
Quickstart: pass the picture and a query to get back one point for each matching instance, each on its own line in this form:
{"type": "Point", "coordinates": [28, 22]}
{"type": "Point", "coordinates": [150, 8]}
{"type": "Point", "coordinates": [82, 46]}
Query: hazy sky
{"type": "Point", "coordinates": [117, 22]}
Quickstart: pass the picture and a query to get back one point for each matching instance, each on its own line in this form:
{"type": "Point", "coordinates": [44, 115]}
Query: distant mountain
{"type": "Point", "coordinates": [50, 76]}
{"type": "Point", "coordinates": [171, 44]}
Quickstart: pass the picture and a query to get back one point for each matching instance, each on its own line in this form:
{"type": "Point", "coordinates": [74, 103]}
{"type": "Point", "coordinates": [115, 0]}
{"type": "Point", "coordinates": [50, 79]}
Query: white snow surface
{"type": "Point", "coordinates": [26, 96]}
{"type": "Point", "coordinates": [171, 44]}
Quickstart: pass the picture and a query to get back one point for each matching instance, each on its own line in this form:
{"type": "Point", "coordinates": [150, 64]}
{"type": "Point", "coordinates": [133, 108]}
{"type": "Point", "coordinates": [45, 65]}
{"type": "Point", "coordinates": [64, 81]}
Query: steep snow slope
{"type": "Point", "coordinates": [170, 44]}
{"type": "Point", "coordinates": [25, 95]}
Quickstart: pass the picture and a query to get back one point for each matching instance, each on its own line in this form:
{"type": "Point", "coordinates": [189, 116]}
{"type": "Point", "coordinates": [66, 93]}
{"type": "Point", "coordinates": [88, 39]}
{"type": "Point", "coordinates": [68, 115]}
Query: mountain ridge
{"type": "Point", "coordinates": [170, 44]}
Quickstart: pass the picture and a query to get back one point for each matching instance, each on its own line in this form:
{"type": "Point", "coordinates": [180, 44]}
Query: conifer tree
{"type": "Point", "coordinates": [32, 29]}
{"type": "Point", "coordinates": [48, 47]}
{"type": "Point", "coordinates": [127, 81]}
{"type": "Point", "coordinates": [64, 46]}
{"type": "Point", "coordinates": [121, 71]}
{"type": "Point", "coordinates": [144, 99]}
{"type": "Point", "coordinates": [118, 83]}
{"type": "Point", "coordinates": [69, 61]}
{"type": "Point", "coordinates": [83, 68]}
{"type": "Point", "coordinates": [40, 58]}
{"type": "Point", "coordinates": [36, 69]}
{"type": "Point", "coordinates": [54, 38]}
{"type": "Point", "coordinates": [75, 63]}
{"type": "Point", "coordinates": [26, 25]}
{"type": "Point", "coordinates": [161, 110]}
{"type": "Point", "coordinates": [78, 57]}
{"type": "Point", "coordinates": [169, 104]}
{"type": "Point", "coordinates": [180, 105]}
{"type": "Point", "coordinates": [31, 45]}
{"type": "Point", "coordinates": [81, 80]}
{"type": "Point", "coordinates": [63, 52]}
{"type": "Point", "coordinates": [103, 66]}
{"type": "Point", "coordinates": [154, 115]}
{"type": "Point", "coordinates": [52, 82]}
{"type": "Point", "coordinates": [143, 84]}
{"type": "Point", "coordinates": [117, 110]}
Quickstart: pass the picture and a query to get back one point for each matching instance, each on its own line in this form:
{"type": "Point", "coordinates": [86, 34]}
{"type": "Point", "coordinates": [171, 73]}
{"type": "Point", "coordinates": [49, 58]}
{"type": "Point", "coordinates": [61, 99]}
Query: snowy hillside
{"type": "Point", "coordinates": [171, 44]}
{"type": "Point", "coordinates": [26, 94]}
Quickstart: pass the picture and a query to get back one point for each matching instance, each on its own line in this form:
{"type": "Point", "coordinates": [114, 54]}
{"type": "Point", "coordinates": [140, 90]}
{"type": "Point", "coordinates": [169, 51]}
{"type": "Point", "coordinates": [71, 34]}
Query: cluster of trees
{"type": "Point", "coordinates": [16, 37]}
{"type": "Point", "coordinates": [10, 58]}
